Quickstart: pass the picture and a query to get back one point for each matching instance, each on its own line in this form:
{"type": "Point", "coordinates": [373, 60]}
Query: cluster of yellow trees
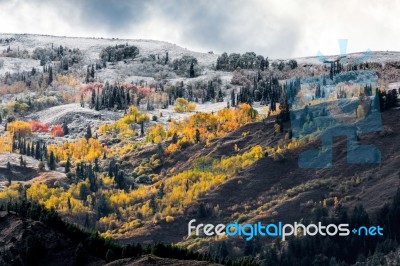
{"type": "Point", "coordinates": [156, 133]}
{"type": "Point", "coordinates": [124, 126]}
{"type": "Point", "coordinates": [204, 126]}
{"type": "Point", "coordinates": [81, 149]}
{"type": "Point", "coordinates": [59, 198]}
{"type": "Point", "coordinates": [199, 126]}
{"type": "Point", "coordinates": [182, 106]}
{"type": "Point", "coordinates": [6, 142]}
{"type": "Point", "coordinates": [19, 128]}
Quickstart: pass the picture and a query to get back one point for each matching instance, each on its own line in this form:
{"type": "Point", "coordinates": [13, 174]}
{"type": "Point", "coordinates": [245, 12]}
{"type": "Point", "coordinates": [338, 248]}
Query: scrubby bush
{"type": "Point", "coordinates": [240, 78]}
{"type": "Point", "coordinates": [184, 65]}
{"type": "Point", "coordinates": [248, 60]}
{"type": "Point", "coordinates": [118, 53]}
{"type": "Point", "coordinates": [183, 106]}
{"type": "Point", "coordinates": [66, 56]}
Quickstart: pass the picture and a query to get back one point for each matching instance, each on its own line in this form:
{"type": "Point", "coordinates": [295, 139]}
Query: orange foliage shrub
{"type": "Point", "coordinates": [68, 80]}
{"type": "Point", "coordinates": [13, 88]}
{"type": "Point", "coordinates": [171, 148]}
{"type": "Point", "coordinates": [39, 127]}
{"type": "Point", "coordinates": [57, 131]}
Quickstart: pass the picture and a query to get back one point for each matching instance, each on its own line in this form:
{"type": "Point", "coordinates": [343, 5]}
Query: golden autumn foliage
{"type": "Point", "coordinates": [278, 152]}
{"type": "Point", "coordinates": [156, 133]}
{"type": "Point", "coordinates": [172, 148]}
{"type": "Point", "coordinates": [182, 106]}
{"type": "Point", "coordinates": [10, 192]}
{"type": "Point", "coordinates": [124, 127]}
{"type": "Point", "coordinates": [6, 142]}
{"type": "Point", "coordinates": [68, 80]}
{"type": "Point", "coordinates": [19, 128]}
{"type": "Point", "coordinates": [50, 197]}
{"type": "Point", "coordinates": [209, 125]}
{"type": "Point", "coordinates": [81, 149]}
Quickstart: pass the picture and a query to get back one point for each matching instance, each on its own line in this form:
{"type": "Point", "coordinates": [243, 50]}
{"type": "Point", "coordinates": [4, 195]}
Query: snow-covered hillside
{"type": "Point", "coordinates": [93, 46]}
{"type": "Point", "coordinates": [370, 56]}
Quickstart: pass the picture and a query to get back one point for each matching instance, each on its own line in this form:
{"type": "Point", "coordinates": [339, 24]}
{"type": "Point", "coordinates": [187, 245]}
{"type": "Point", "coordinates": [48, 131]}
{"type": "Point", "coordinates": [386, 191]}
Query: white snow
{"type": "Point", "coordinates": [15, 65]}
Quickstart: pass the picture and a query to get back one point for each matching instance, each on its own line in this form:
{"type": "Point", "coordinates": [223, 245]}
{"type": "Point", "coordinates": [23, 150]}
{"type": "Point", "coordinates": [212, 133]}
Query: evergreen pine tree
{"type": "Point", "coordinates": [88, 134]}
{"type": "Point", "coordinates": [197, 137]}
{"type": "Point", "coordinates": [50, 75]}
{"type": "Point", "coordinates": [9, 172]}
{"type": "Point", "coordinates": [92, 72]}
{"type": "Point", "coordinates": [65, 128]}
{"type": "Point", "coordinates": [52, 161]}
{"type": "Point", "coordinates": [93, 99]}
{"type": "Point", "coordinates": [191, 71]}
{"type": "Point", "coordinates": [142, 128]}
{"type": "Point", "coordinates": [28, 149]}
{"type": "Point", "coordinates": [87, 80]}
{"type": "Point", "coordinates": [82, 102]}
{"type": "Point", "coordinates": [220, 96]}
{"type": "Point", "coordinates": [38, 154]}
{"type": "Point", "coordinates": [68, 165]}
{"type": "Point", "coordinates": [175, 138]}
{"type": "Point", "coordinates": [120, 180]}
{"type": "Point", "coordinates": [166, 58]}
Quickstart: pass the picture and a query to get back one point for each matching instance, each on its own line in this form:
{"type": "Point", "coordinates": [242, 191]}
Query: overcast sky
{"type": "Point", "coordinates": [278, 29]}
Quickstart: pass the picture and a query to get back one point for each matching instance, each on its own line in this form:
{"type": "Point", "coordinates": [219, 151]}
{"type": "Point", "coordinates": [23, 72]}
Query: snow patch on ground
{"type": "Point", "coordinates": [16, 65]}
{"type": "Point", "coordinates": [14, 159]}
{"type": "Point", "coordinates": [57, 114]}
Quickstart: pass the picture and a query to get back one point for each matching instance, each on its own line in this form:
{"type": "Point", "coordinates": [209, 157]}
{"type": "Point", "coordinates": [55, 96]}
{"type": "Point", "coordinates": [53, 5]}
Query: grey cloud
{"type": "Point", "coordinates": [218, 26]}
{"type": "Point", "coordinates": [203, 25]}
{"type": "Point", "coordinates": [275, 29]}
{"type": "Point", "coordinates": [115, 16]}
